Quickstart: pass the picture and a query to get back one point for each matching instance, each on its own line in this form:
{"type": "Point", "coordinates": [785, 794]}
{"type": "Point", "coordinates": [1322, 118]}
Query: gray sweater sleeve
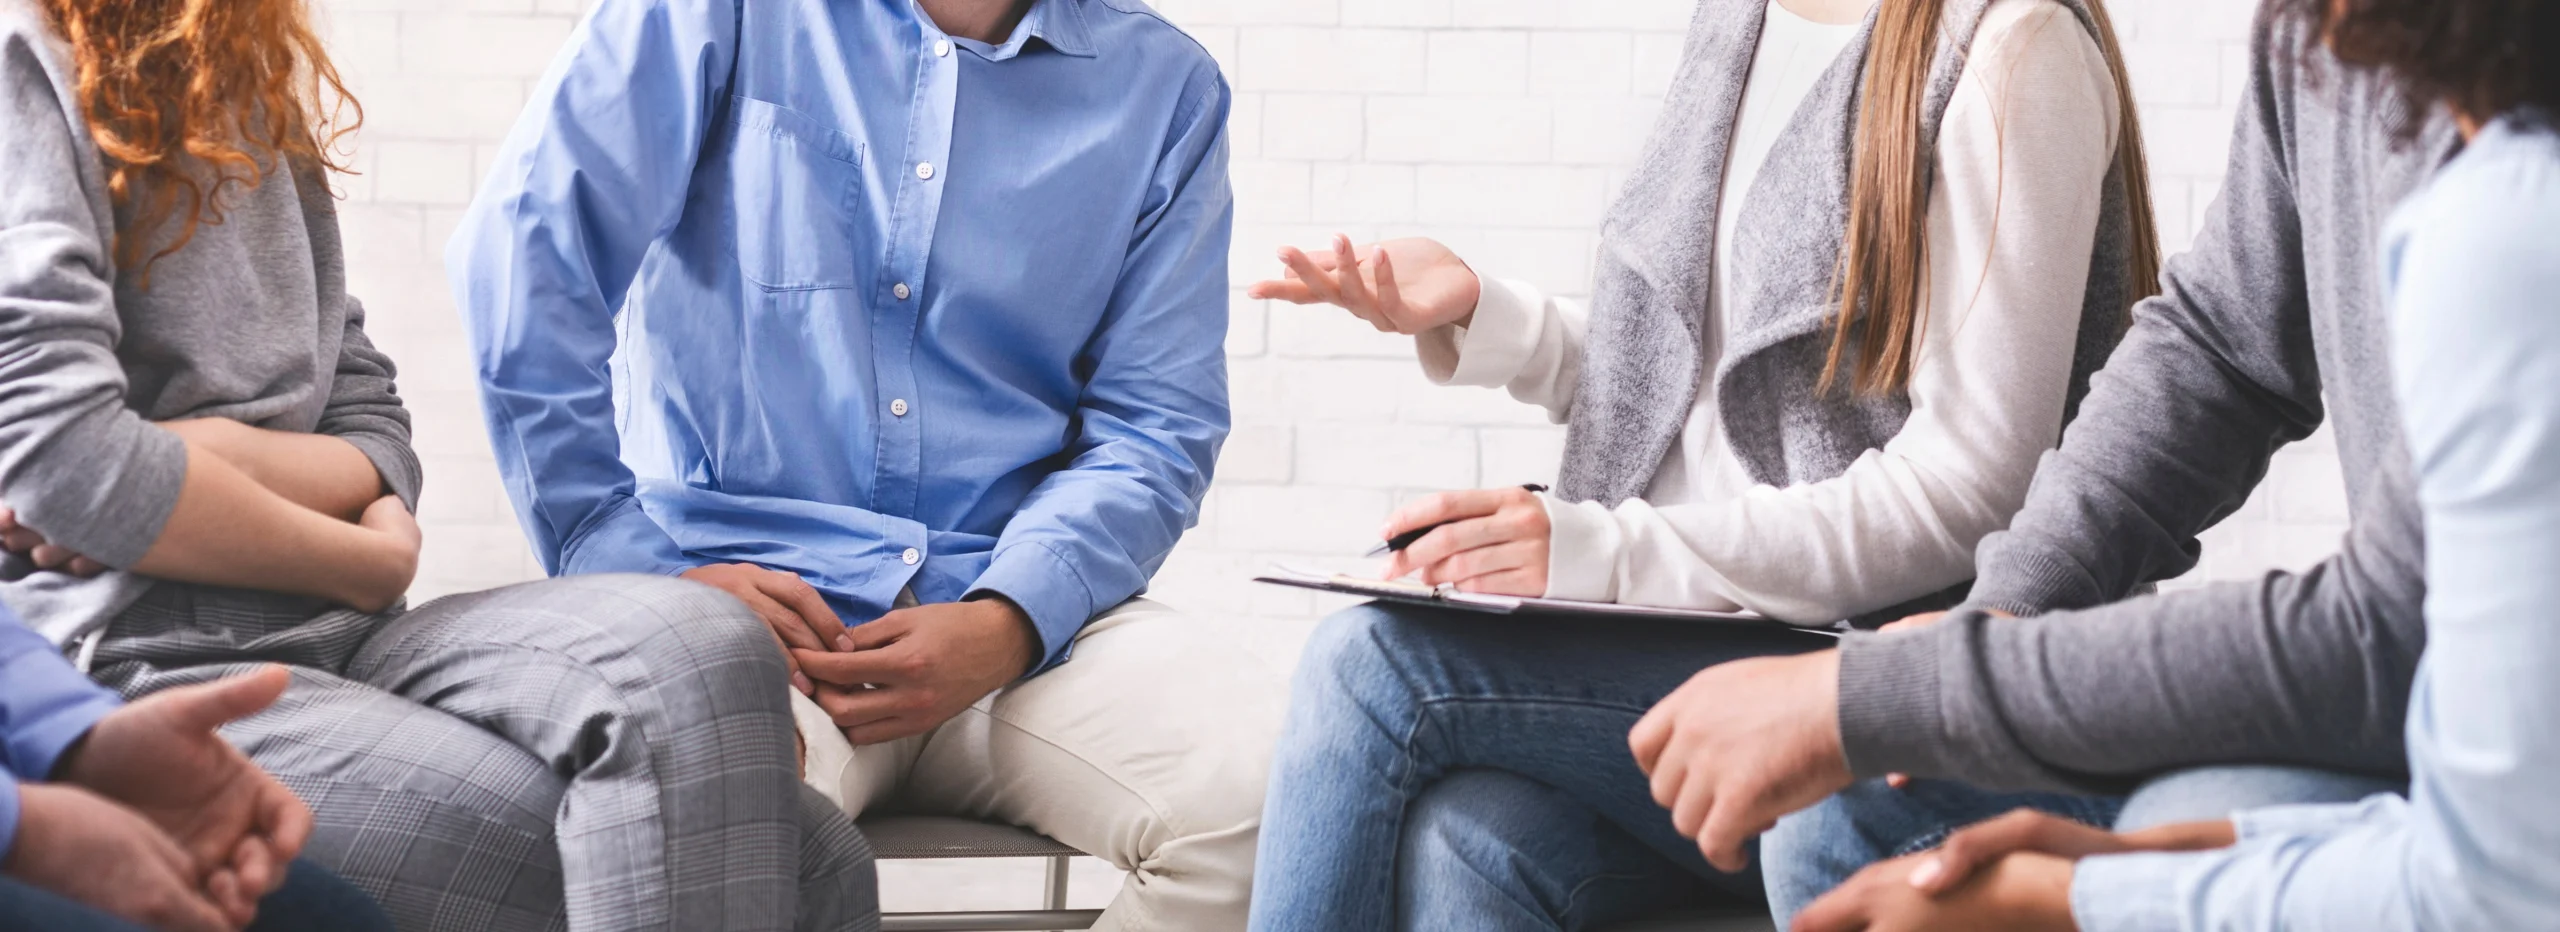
{"type": "Point", "coordinates": [2216, 374]}
{"type": "Point", "coordinates": [77, 465]}
{"type": "Point", "coordinates": [364, 406]}
{"type": "Point", "coordinates": [365, 411]}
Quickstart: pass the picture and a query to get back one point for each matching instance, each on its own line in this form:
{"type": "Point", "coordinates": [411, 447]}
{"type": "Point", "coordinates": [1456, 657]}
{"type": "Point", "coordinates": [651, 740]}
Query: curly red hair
{"type": "Point", "coordinates": [179, 91]}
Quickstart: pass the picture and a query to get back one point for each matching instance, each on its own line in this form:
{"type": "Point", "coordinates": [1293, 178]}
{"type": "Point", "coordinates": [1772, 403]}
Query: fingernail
{"type": "Point", "coordinates": [844, 642]}
{"type": "Point", "coordinates": [801, 682]}
{"type": "Point", "coordinates": [1927, 873]}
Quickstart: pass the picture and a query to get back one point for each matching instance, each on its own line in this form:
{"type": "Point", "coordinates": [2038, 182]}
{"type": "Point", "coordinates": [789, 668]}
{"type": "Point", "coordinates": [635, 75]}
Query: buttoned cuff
{"type": "Point", "coordinates": [1048, 589]}
{"type": "Point", "coordinates": [55, 704]}
{"type": "Point", "coordinates": [625, 540]}
{"type": "Point", "coordinates": [1583, 543]}
{"type": "Point", "coordinates": [1491, 350]}
{"type": "Point", "coordinates": [2130, 892]}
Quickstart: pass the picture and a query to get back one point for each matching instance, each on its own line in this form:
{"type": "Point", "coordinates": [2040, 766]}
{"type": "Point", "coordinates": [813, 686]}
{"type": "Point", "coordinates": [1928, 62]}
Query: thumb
{"type": "Point", "coordinates": [209, 706]}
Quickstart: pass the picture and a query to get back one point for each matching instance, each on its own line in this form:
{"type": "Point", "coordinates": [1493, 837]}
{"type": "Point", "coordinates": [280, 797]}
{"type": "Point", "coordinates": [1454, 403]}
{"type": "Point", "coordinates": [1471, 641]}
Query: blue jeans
{"type": "Point", "coordinates": [1453, 770]}
{"type": "Point", "coordinates": [311, 900]}
{"type": "Point", "coordinates": [1817, 849]}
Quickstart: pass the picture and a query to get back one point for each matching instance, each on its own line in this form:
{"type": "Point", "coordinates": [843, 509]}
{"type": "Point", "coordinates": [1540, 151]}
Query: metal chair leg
{"type": "Point", "coordinates": [1056, 897]}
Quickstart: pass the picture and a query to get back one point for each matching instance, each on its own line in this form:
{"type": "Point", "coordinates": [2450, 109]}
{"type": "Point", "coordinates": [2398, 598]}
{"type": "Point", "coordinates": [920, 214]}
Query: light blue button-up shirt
{"type": "Point", "coordinates": [2473, 265]}
{"type": "Point", "coordinates": [884, 307]}
{"type": "Point", "coordinates": [45, 705]}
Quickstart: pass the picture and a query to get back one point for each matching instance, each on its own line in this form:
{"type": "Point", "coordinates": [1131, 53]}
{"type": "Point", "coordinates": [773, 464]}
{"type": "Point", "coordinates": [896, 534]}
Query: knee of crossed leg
{"type": "Point", "coordinates": [1466, 832]}
{"type": "Point", "coordinates": [720, 645]}
{"type": "Point", "coordinates": [1352, 657]}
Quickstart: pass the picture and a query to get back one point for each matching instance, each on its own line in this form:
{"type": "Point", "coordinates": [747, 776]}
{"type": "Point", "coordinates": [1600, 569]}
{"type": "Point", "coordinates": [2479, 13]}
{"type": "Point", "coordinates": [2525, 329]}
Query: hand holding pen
{"type": "Point", "coordinates": [1482, 540]}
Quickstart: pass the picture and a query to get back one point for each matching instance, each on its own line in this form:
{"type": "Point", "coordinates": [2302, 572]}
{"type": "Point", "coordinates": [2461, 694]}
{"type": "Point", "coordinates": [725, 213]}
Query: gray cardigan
{"type": "Point", "coordinates": [1640, 374]}
{"type": "Point", "coordinates": [2274, 316]}
{"type": "Point", "coordinates": [251, 321]}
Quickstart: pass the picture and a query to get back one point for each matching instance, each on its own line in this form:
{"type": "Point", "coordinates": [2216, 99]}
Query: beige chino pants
{"type": "Point", "coordinates": [1148, 749]}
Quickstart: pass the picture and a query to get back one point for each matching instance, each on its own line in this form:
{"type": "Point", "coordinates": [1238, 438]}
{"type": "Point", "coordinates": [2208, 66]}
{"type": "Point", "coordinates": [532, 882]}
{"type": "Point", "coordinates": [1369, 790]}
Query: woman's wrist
{"type": "Point", "coordinates": [369, 569]}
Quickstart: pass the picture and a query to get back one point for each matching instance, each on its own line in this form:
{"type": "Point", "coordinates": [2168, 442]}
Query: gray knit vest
{"type": "Point", "coordinates": [1641, 363]}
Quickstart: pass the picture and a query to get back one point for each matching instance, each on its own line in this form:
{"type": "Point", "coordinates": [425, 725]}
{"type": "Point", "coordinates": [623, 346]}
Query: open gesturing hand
{"type": "Point", "coordinates": [161, 757]}
{"type": "Point", "coordinates": [1398, 286]}
{"type": "Point", "coordinates": [1741, 744]}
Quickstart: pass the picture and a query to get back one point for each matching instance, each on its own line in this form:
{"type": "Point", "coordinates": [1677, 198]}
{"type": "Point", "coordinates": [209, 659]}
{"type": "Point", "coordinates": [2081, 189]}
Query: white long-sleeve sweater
{"type": "Point", "coordinates": [2022, 155]}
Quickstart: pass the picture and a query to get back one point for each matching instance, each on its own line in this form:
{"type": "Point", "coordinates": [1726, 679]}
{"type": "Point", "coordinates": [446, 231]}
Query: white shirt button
{"type": "Point", "coordinates": [911, 556]}
{"type": "Point", "coordinates": [924, 170]}
{"type": "Point", "coordinates": [898, 407]}
{"type": "Point", "coordinates": [902, 291]}
{"type": "Point", "coordinates": [941, 48]}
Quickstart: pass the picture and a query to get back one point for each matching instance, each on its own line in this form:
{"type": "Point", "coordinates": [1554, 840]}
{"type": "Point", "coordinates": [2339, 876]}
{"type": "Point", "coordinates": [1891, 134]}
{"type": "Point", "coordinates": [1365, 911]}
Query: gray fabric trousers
{"type": "Point", "coordinates": [595, 753]}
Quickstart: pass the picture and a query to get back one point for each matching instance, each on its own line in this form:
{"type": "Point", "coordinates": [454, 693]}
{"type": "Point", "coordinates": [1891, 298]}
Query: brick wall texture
{"type": "Point", "coordinates": [1500, 126]}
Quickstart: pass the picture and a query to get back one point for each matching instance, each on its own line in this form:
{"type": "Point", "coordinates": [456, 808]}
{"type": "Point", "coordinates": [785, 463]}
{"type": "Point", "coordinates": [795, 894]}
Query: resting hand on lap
{"type": "Point", "coordinates": [1490, 540]}
{"type": "Point", "coordinates": [2022, 892]}
{"type": "Point", "coordinates": [793, 612]}
{"type": "Point", "coordinates": [85, 848]}
{"type": "Point", "coordinates": [915, 668]}
{"type": "Point", "coordinates": [1398, 286]}
{"type": "Point", "coordinates": [161, 757]}
{"type": "Point", "coordinates": [1741, 744]}
{"type": "Point", "coordinates": [2012, 872]}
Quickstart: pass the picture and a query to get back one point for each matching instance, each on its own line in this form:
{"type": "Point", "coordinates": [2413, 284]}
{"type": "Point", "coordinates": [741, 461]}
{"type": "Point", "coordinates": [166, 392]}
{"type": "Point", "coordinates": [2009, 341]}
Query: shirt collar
{"type": "Point", "coordinates": [1058, 24]}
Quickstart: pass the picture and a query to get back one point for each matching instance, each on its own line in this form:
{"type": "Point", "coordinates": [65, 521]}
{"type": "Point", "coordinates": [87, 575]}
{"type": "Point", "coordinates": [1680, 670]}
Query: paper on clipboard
{"type": "Point", "coordinates": [1446, 596]}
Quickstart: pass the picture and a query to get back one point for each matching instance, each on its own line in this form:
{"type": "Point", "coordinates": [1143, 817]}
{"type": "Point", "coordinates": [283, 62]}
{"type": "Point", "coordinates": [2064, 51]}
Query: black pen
{"type": "Point", "coordinates": [1406, 539]}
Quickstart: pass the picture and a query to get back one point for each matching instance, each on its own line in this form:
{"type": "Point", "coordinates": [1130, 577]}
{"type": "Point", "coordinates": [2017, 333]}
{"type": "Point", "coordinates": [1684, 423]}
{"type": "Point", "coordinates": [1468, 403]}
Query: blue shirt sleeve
{"type": "Point", "coordinates": [2474, 261]}
{"type": "Point", "coordinates": [45, 706]}
{"type": "Point", "coordinates": [596, 170]}
{"type": "Point", "coordinates": [1153, 414]}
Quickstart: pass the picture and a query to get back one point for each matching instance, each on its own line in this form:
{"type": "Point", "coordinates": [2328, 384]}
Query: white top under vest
{"type": "Point", "coordinates": [2023, 153]}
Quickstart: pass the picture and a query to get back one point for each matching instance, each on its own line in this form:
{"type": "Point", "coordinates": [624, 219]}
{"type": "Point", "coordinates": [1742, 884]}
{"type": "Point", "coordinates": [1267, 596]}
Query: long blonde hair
{"type": "Point", "coordinates": [1884, 258]}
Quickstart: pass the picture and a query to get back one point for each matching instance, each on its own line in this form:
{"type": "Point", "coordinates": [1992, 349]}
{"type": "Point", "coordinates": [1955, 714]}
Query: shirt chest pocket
{"type": "Point", "coordinates": [795, 186]}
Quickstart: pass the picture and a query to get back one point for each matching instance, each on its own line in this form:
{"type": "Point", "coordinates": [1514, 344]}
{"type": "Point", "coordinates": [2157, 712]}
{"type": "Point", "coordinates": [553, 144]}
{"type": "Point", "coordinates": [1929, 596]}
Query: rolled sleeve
{"type": "Point", "coordinates": [397, 463]}
{"type": "Point", "coordinates": [1047, 588]}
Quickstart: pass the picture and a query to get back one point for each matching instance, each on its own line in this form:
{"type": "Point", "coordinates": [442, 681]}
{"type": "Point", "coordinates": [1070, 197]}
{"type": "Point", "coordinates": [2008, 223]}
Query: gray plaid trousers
{"type": "Point", "coordinates": [594, 753]}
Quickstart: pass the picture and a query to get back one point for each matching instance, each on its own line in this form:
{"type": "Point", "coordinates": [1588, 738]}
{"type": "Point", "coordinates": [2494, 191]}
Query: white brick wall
{"type": "Point", "coordinates": [1501, 126]}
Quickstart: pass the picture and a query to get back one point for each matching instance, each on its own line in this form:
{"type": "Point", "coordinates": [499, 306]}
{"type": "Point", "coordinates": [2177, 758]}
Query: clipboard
{"type": "Point", "coordinates": [1447, 596]}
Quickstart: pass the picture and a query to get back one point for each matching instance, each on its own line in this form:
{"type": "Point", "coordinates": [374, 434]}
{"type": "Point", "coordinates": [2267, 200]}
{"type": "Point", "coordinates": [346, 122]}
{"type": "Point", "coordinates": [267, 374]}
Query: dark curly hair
{"type": "Point", "coordinates": [2481, 57]}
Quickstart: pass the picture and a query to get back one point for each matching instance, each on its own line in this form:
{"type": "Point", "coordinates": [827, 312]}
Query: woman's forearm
{"type": "Point", "coordinates": [228, 529]}
{"type": "Point", "coordinates": [316, 471]}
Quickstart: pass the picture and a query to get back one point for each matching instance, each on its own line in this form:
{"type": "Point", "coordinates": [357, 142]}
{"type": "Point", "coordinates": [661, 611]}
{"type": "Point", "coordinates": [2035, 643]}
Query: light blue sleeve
{"type": "Point", "coordinates": [595, 171]}
{"type": "Point", "coordinates": [45, 705]}
{"type": "Point", "coordinates": [2475, 267]}
{"type": "Point", "coordinates": [1154, 411]}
